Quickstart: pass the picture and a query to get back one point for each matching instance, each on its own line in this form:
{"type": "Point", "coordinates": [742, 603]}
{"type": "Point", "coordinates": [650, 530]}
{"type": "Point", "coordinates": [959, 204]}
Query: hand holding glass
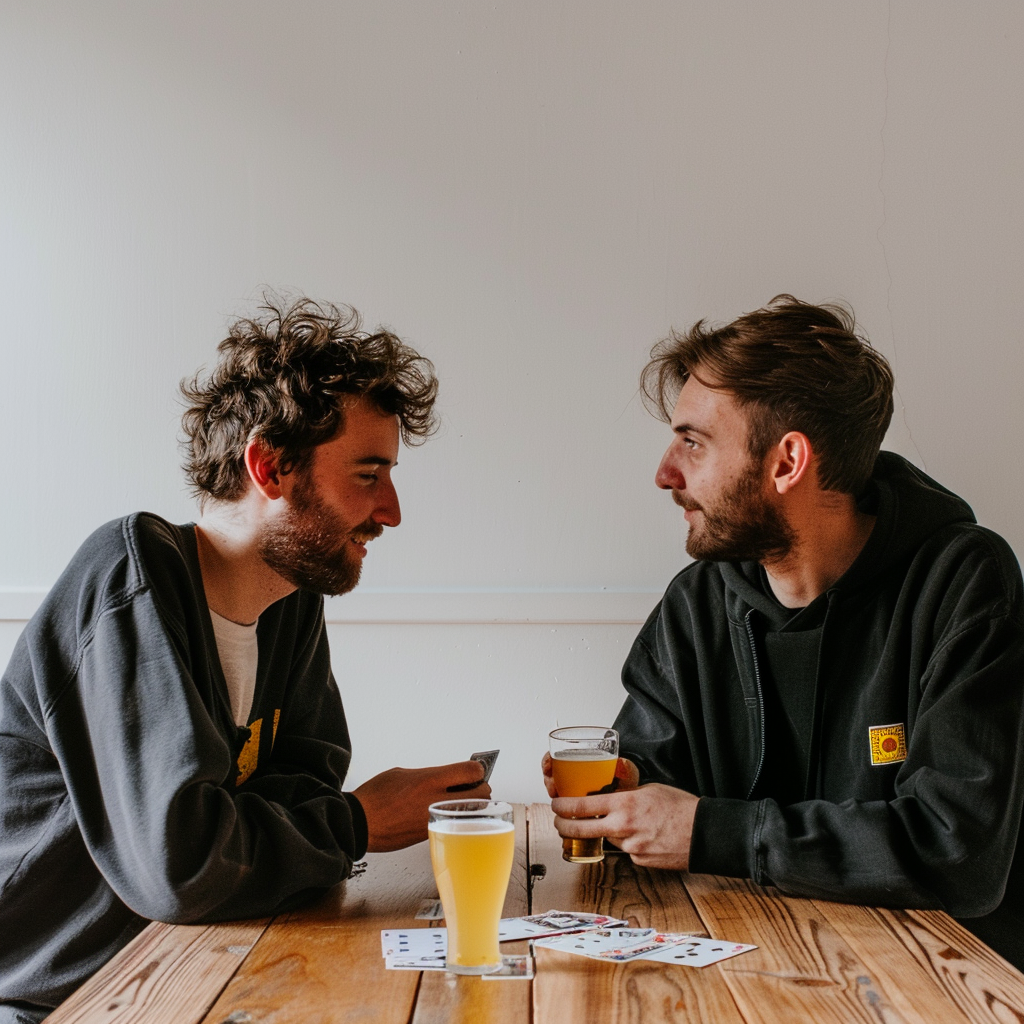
{"type": "Point", "coordinates": [472, 844]}
{"type": "Point", "coordinates": [583, 759]}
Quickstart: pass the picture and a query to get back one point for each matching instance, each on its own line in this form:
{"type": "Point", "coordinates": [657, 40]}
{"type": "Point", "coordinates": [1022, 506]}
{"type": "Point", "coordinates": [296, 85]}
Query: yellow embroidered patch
{"type": "Point", "coordinates": [250, 754]}
{"type": "Point", "coordinates": [888, 743]}
{"type": "Point", "coordinates": [277, 718]}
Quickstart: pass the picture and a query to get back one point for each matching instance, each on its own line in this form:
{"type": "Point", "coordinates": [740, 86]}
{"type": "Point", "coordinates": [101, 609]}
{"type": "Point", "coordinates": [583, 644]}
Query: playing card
{"type": "Point", "coordinates": [603, 940]}
{"type": "Point", "coordinates": [424, 963]}
{"type": "Point", "coordinates": [693, 952]}
{"type": "Point", "coordinates": [512, 967]}
{"type": "Point", "coordinates": [409, 943]}
{"type": "Point", "coordinates": [430, 910]}
{"type": "Point", "coordinates": [645, 950]}
{"type": "Point", "coordinates": [554, 922]}
{"type": "Point", "coordinates": [487, 759]}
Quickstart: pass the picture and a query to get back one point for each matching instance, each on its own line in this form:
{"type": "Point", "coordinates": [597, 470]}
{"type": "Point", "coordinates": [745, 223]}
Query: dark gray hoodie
{"type": "Point", "coordinates": [922, 648]}
{"type": "Point", "coordinates": [127, 793]}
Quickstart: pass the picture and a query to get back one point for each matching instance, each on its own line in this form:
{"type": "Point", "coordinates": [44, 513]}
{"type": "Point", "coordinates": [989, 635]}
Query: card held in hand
{"type": "Point", "coordinates": [487, 759]}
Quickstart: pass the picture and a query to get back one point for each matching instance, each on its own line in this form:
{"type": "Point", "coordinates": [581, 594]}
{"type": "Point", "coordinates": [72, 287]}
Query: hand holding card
{"type": "Point", "coordinates": [487, 759]}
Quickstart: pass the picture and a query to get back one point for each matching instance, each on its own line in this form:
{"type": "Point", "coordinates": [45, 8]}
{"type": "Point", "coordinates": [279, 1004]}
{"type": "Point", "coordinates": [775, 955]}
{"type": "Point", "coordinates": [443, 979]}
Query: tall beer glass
{"type": "Point", "coordinates": [583, 759]}
{"type": "Point", "coordinates": [472, 844]}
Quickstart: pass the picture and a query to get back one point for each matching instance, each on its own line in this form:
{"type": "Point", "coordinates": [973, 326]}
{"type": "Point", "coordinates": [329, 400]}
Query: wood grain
{"type": "Point", "coordinates": [806, 966]}
{"type": "Point", "coordinates": [449, 999]}
{"type": "Point", "coordinates": [323, 965]}
{"type": "Point", "coordinates": [817, 961]}
{"type": "Point", "coordinates": [573, 988]}
{"type": "Point", "coordinates": [170, 974]}
{"type": "Point", "coordinates": [926, 956]}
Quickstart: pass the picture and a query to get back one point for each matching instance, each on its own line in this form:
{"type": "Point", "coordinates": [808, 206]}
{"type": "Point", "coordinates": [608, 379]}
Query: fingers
{"type": "Point", "coordinates": [581, 828]}
{"type": "Point", "coordinates": [461, 776]}
{"type": "Point", "coordinates": [545, 763]}
{"type": "Point", "coordinates": [627, 773]}
{"type": "Point", "coordinates": [584, 806]}
{"type": "Point", "coordinates": [482, 791]}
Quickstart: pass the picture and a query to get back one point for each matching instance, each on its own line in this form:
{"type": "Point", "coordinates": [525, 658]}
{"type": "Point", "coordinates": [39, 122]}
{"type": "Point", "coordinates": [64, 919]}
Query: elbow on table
{"type": "Point", "coordinates": [181, 901]}
{"type": "Point", "coordinates": [172, 907]}
{"type": "Point", "coordinates": [967, 896]}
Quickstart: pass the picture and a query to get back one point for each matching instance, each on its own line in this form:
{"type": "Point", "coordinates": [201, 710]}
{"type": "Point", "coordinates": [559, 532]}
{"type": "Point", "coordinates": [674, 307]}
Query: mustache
{"type": "Point", "coordinates": [367, 531]}
{"type": "Point", "coordinates": [684, 502]}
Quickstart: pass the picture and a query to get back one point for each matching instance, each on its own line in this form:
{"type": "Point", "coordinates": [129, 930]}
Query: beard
{"type": "Point", "coordinates": [741, 525]}
{"type": "Point", "coordinates": [310, 546]}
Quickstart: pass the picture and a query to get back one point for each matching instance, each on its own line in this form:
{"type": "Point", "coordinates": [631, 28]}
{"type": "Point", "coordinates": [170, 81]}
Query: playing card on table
{"type": "Point", "coordinates": [694, 952]}
{"type": "Point", "coordinates": [602, 942]}
{"type": "Point", "coordinates": [554, 922]}
{"type": "Point", "coordinates": [512, 967]}
{"type": "Point", "coordinates": [430, 910]}
{"type": "Point", "coordinates": [414, 942]}
{"type": "Point", "coordinates": [645, 950]}
{"type": "Point", "coordinates": [416, 963]}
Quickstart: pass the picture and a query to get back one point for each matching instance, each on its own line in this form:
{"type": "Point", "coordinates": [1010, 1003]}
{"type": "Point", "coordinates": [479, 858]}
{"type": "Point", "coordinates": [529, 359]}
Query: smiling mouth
{"type": "Point", "coordinates": [688, 505]}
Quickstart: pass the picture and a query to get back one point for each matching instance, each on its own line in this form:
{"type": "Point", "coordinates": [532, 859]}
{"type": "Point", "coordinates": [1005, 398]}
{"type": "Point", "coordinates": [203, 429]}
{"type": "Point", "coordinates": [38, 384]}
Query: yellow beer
{"type": "Point", "coordinates": [583, 759]}
{"type": "Point", "coordinates": [472, 861]}
{"type": "Point", "coordinates": [582, 772]}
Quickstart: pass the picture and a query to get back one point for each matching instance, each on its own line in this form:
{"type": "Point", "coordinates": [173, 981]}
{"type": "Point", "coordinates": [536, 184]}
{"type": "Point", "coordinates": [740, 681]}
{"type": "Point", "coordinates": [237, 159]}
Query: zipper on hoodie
{"type": "Point", "coordinates": [760, 699]}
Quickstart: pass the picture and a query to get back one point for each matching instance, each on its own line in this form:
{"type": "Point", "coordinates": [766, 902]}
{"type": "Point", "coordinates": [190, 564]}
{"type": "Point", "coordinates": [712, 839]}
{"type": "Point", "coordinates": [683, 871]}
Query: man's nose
{"type": "Point", "coordinates": [388, 512]}
{"type": "Point", "coordinates": [668, 476]}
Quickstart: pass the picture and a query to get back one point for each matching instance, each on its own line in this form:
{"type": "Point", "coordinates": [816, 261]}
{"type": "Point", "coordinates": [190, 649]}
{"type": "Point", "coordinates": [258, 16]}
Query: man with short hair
{"type": "Point", "coordinates": [829, 699]}
{"type": "Point", "coordinates": [172, 741]}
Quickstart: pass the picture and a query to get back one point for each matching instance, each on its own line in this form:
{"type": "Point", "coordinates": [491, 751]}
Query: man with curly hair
{"type": "Point", "coordinates": [172, 741]}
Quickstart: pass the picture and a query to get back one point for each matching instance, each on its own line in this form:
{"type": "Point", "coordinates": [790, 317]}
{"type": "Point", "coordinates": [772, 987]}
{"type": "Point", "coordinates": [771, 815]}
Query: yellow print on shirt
{"type": "Point", "coordinates": [250, 754]}
{"type": "Point", "coordinates": [888, 743]}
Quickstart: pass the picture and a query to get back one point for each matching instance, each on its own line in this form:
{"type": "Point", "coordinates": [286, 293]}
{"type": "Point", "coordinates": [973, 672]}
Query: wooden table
{"type": "Point", "coordinates": [816, 961]}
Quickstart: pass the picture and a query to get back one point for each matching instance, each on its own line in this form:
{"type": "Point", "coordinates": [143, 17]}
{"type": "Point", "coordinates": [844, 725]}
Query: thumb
{"type": "Point", "coordinates": [627, 773]}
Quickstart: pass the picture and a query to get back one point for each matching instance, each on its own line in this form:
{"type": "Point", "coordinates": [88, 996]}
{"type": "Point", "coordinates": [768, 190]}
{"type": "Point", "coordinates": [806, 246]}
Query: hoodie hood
{"type": "Point", "coordinates": [909, 507]}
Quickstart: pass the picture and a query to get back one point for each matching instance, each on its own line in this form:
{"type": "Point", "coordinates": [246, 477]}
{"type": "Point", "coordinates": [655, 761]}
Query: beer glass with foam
{"type": "Point", "coordinates": [472, 844]}
{"type": "Point", "coordinates": [583, 759]}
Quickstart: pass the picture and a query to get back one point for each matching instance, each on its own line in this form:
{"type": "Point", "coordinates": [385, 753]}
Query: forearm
{"type": "Point", "coordinates": [855, 852]}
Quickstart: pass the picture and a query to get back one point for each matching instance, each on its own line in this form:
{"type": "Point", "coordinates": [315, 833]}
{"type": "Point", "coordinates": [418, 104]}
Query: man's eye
{"type": "Point", "coordinates": [690, 443]}
{"type": "Point", "coordinates": [370, 477]}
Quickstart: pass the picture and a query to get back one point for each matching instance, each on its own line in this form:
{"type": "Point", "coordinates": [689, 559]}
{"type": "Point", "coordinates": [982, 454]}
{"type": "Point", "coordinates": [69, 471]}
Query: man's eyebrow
{"type": "Point", "coordinates": [375, 460]}
{"type": "Point", "coordinates": [689, 428]}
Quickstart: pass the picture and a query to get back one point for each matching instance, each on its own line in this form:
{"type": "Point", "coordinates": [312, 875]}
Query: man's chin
{"type": "Point", "coordinates": [337, 587]}
{"type": "Point", "coordinates": [333, 584]}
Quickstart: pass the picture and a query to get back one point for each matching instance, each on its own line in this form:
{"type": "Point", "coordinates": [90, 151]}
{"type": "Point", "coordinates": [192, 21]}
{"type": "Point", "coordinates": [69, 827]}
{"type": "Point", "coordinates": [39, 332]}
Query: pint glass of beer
{"type": "Point", "coordinates": [472, 844]}
{"type": "Point", "coordinates": [583, 759]}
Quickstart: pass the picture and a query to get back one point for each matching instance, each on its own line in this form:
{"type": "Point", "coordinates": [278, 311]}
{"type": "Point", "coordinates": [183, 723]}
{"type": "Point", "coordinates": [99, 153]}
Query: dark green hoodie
{"type": "Point", "coordinates": [914, 786]}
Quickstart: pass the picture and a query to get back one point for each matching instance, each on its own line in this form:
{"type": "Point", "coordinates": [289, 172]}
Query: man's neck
{"type": "Point", "coordinates": [827, 540]}
{"type": "Point", "coordinates": [238, 583]}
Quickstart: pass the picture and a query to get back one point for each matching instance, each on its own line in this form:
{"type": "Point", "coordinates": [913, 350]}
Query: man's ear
{"type": "Point", "coordinates": [793, 460]}
{"type": "Point", "coordinates": [263, 464]}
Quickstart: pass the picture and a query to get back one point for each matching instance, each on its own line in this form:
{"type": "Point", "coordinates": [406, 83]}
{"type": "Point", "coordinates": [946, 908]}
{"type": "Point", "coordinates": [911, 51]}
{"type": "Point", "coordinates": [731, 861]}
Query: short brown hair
{"type": "Point", "coordinates": [796, 367]}
{"type": "Point", "coordinates": [282, 376]}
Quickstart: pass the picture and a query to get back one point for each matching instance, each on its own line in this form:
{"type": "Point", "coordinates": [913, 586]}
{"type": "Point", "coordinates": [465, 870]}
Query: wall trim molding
{"type": "Point", "coordinates": [440, 606]}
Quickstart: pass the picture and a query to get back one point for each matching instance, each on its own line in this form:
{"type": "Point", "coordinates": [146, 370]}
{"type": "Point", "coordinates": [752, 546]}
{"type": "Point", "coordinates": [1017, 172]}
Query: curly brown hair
{"type": "Point", "coordinates": [795, 366]}
{"type": "Point", "coordinates": [282, 376]}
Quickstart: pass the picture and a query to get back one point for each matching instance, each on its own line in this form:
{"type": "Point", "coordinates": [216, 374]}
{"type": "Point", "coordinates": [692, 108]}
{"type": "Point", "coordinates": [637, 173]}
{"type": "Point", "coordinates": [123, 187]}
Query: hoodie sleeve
{"type": "Point", "coordinates": [151, 780]}
{"type": "Point", "coordinates": [651, 729]}
{"type": "Point", "coordinates": [947, 835]}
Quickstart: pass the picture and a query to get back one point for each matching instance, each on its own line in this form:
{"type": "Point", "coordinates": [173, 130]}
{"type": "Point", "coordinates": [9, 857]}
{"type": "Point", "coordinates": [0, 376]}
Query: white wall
{"type": "Point", "coordinates": [531, 193]}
